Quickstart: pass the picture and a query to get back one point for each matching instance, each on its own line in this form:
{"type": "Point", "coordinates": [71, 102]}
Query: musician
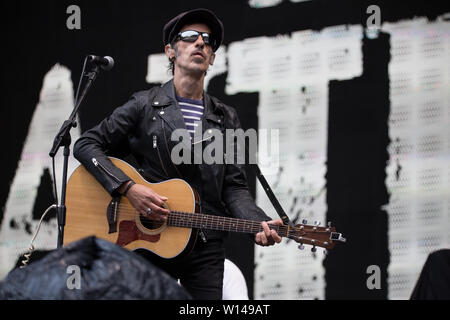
{"type": "Point", "coordinates": [143, 126]}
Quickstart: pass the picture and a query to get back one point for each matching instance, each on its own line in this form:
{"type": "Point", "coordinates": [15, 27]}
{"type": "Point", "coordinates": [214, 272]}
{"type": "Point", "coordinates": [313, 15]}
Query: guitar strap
{"type": "Point", "coordinates": [276, 204]}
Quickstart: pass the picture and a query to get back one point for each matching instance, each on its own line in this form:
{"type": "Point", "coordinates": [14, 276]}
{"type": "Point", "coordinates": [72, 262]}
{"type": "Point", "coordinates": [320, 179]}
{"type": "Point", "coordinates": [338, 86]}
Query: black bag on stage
{"type": "Point", "coordinates": [91, 268]}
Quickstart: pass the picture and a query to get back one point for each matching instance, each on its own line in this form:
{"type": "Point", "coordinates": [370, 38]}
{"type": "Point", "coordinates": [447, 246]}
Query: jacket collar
{"type": "Point", "coordinates": [165, 96]}
{"type": "Point", "coordinates": [171, 113]}
{"type": "Point", "coordinates": [167, 106]}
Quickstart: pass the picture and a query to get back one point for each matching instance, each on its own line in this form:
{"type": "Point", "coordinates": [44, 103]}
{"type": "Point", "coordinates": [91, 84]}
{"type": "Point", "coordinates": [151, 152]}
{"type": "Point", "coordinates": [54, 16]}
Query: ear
{"type": "Point", "coordinates": [212, 58]}
{"type": "Point", "coordinates": [170, 52]}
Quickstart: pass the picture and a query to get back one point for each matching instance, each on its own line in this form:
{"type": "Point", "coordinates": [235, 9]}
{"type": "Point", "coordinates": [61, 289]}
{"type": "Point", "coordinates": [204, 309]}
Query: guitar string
{"type": "Point", "coordinates": [256, 226]}
{"type": "Point", "coordinates": [202, 220]}
{"type": "Point", "coordinates": [214, 219]}
{"type": "Point", "coordinates": [123, 208]}
{"type": "Point", "coordinates": [196, 220]}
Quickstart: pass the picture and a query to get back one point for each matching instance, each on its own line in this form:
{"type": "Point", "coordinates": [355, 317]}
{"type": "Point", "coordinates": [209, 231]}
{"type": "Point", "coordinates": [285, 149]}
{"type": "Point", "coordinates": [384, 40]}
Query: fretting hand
{"type": "Point", "coordinates": [268, 237]}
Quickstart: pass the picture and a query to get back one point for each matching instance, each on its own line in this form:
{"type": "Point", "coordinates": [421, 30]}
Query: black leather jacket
{"type": "Point", "coordinates": [143, 127]}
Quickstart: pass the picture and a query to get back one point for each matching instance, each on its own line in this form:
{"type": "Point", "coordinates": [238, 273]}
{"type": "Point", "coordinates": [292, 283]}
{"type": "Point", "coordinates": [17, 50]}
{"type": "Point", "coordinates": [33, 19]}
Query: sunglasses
{"type": "Point", "coordinates": [192, 36]}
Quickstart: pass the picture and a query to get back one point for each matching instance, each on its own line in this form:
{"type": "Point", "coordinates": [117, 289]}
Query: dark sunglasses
{"type": "Point", "coordinates": [192, 36]}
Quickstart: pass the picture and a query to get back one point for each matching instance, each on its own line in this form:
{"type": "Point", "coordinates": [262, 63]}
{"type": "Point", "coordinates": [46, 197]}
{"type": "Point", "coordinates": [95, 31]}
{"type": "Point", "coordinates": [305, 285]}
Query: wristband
{"type": "Point", "coordinates": [132, 183]}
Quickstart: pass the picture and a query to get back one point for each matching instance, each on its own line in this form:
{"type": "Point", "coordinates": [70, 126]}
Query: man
{"type": "Point", "coordinates": [143, 127]}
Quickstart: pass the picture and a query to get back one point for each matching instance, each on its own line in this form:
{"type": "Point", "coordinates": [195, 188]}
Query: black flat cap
{"type": "Point", "coordinates": [201, 15]}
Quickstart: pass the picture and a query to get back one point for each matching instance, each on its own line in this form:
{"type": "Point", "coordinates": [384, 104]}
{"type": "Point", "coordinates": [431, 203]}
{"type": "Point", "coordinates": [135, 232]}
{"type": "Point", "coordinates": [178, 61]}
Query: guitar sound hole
{"type": "Point", "coordinates": [150, 224]}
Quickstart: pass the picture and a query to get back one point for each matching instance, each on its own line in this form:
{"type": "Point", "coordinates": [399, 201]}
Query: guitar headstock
{"type": "Point", "coordinates": [315, 235]}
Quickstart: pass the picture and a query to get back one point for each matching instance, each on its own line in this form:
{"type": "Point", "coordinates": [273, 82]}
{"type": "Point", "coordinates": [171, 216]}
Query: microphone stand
{"type": "Point", "coordinates": [63, 138]}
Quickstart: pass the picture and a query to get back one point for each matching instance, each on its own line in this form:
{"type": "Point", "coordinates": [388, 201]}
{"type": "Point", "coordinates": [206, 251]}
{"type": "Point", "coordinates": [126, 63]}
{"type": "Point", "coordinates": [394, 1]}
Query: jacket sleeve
{"type": "Point", "coordinates": [110, 135]}
{"type": "Point", "coordinates": [236, 194]}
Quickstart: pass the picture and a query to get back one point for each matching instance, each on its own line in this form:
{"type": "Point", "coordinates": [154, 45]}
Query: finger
{"type": "Point", "coordinates": [160, 199]}
{"type": "Point", "coordinates": [155, 211]}
{"type": "Point", "coordinates": [158, 206]}
{"type": "Point", "coordinates": [156, 200]}
{"type": "Point", "coordinates": [162, 211]}
{"type": "Point", "coordinates": [275, 236]}
{"type": "Point", "coordinates": [266, 229]}
{"type": "Point", "coordinates": [260, 239]}
{"type": "Point", "coordinates": [158, 210]}
{"type": "Point", "coordinates": [263, 238]}
{"type": "Point", "coordinates": [160, 217]}
{"type": "Point", "coordinates": [143, 211]}
{"type": "Point", "coordinates": [270, 240]}
{"type": "Point", "coordinates": [278, 222]}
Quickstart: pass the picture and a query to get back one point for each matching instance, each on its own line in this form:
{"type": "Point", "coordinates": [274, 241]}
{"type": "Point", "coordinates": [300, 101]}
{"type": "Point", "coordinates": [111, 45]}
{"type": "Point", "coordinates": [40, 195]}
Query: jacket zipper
{"type": "Point", "coordinates": [167, 148]}
{"type": "Point", "coordinates": [202, 235]}
{"type": "Point", "coordinates": [155, 146]}
{"type": "Point", "coordinates": [224, 166]}
{"type": "Point", "coordinates": [99, 165]}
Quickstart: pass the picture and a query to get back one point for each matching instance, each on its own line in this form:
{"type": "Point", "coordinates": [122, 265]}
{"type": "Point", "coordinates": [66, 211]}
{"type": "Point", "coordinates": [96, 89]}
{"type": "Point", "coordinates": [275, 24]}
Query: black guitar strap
{"type": "Point", "coordinates": [271, 195]}
{"type": "Point", "coordinates": [266, 186]}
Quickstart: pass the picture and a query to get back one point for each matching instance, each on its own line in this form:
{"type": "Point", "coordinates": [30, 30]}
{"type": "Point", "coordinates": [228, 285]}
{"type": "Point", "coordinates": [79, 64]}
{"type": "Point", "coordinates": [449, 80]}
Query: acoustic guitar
{"type": "Point", "coordinates": [91, 211]}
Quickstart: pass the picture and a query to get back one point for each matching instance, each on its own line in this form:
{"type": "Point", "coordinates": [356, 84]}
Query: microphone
{"type": "Point", "coordinates": [106, 62]}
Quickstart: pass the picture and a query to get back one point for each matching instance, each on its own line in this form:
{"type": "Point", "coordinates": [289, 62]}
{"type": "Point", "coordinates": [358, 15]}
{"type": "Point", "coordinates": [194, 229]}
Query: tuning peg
{"type": "Point", "coordinates": [304, 221]}
{"type": "Point", "coordinates": [301, 246]}
{"type": "Point", "coordinates": [317, 223]}
{"type": "Point", "coordinates": [325, 252]}
{"type": "Point", "coordinates": [313, 249]}
{"type": "Point", "coordinates": [329, 224]}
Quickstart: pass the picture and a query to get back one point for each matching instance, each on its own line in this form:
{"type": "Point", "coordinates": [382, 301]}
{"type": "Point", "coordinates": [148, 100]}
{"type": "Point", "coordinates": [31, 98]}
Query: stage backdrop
{"type": "Point", "coordinates": [357, 92]}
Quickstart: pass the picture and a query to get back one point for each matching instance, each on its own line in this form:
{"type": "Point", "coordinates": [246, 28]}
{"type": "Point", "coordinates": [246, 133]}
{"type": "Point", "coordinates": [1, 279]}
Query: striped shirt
{"type": "Point", "coordinates": [192, 113]}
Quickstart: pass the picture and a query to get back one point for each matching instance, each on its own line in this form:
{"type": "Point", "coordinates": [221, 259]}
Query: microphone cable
{"type": "Point", "coordinates": [31, 248]}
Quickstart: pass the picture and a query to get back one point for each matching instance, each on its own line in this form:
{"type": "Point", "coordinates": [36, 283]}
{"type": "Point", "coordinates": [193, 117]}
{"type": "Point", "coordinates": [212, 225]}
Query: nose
{"type": "Point", "coordinates": [200, 42]}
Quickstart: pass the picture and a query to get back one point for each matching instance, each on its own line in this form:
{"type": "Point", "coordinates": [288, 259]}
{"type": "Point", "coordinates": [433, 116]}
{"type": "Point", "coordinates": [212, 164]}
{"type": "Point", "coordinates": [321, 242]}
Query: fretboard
{"type": "Point", "coordinates": [204, 221]}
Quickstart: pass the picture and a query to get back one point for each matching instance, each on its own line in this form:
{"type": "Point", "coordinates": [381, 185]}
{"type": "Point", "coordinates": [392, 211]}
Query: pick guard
{"type": "Point", "coordinates": [129, 232]}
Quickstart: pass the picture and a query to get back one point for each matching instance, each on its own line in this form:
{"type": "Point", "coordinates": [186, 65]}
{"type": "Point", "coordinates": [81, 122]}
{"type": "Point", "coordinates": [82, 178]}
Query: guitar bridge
{"type": "Point", "coordinates": [111, 214]}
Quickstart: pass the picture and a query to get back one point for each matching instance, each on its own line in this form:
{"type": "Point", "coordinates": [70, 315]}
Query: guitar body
{"type": "Point", "coordinates": [91, 211]}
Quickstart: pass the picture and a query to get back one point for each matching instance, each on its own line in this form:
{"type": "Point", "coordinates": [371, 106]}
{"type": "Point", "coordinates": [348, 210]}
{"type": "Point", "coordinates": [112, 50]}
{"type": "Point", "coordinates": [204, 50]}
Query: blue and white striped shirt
{"type": "Point", "coordinates": [192, 112]}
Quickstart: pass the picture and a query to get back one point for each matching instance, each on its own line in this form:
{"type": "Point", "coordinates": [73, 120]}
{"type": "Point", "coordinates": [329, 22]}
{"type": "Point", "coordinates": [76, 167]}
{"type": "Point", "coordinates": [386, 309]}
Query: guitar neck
{"type": "Point", "coordinates": [204, 221]}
